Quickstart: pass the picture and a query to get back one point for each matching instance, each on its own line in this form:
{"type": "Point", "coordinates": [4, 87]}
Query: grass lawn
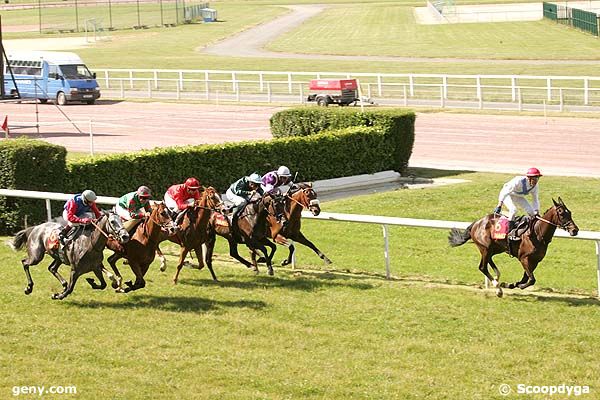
{"type": "Point", "coordinates": [318, 332]}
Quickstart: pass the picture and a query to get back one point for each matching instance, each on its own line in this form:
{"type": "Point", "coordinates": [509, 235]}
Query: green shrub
{"type": "Point", "coordinates": [397, 125]}
{"type": "Point", "coordinates": [28, 165]}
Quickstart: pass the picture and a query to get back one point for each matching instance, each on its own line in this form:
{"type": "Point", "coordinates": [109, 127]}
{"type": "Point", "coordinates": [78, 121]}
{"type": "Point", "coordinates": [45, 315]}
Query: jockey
{"type": "Point", "coordinates": [181, 196]}
{"type": "Point", "coordinates": [513, 194]}
{"type": "Point", "coordinates": [242, 190]}
{"type": "Point", "coordinates": [274, 179]}
{"type": "Point", "coordinates": [134, 205]}
{"type": "Point", "coordinates": [81, 209]}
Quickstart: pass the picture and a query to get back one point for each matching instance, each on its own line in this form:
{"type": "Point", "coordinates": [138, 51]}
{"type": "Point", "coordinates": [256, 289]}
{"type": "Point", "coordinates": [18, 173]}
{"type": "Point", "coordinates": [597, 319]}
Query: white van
{"type": "Point", "coordinates": [50, 75]}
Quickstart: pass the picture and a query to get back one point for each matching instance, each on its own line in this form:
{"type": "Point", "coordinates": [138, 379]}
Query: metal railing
{"type": "Point", "coordinates": [385, 222]}
{"type": "Point", "coordinates": [519, 92]}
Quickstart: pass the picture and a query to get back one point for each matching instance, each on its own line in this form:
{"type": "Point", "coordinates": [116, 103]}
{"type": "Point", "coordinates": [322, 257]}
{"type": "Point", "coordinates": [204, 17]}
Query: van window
{"type": "Point", "coordinates": [53, 71]}
{"type": "Point", "coordinates": [21, 67]}
{"type": "Point", "coordinates": [73, 71]}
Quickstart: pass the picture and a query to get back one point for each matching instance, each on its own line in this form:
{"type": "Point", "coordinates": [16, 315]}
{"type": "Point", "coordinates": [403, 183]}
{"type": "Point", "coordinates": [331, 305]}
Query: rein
{"type": "Point", "coordinates": [106, 235]}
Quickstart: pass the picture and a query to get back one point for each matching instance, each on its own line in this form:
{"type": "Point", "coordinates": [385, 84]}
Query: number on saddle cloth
{"type": "Point", "coordinates": [500, 228]}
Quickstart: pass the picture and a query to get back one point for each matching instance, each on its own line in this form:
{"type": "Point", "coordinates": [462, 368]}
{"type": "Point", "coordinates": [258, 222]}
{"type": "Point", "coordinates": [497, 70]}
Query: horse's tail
{"type": "Point", "coordinates": [458, 237]}
{"type": "Point", "coordinates": [20, 239]}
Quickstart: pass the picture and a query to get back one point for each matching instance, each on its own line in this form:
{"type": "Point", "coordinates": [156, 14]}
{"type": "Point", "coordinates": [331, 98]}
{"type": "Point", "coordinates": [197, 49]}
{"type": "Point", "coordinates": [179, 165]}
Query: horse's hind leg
{"type": "Point", "coordinates": [529, 268]}
{"type": "Point", "coordinates": [292, 249]}
{"type": "Point", "coordinates": [182, 255]}
{"type": "Point", "coordinates": [53, 268]}
{"type": "Point", "coordinates": [117, 279]}
{"type": "Point", "coordinates": [139, 272]}
{"type": "Point", "coordinates": [163, 259]}
{"type": "Point", "coordinates": [199, 255]}
{"type": "Point", "coordinates": [269, 257]}
{"type": "Point", "coordinates": [300, 238]}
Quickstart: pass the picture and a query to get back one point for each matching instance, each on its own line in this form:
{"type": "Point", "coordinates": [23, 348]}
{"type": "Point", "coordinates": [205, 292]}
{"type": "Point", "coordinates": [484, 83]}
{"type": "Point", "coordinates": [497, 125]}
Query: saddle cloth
{"type": "Point", "coordinates": [500, 228]}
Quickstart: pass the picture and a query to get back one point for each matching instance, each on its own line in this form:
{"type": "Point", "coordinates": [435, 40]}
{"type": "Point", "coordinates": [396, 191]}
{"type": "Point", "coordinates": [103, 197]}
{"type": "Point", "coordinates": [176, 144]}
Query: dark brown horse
{"type": "Point", "coordinates": [531, 249]}
{"type": "Point", "coordinates": [251, 229]}
{"type": "Point", "coordinates": [300, 196]}
{"type": "Point", "coordinates": [141, 248]}
{"type": "Point", "coordinates": [193, 232]}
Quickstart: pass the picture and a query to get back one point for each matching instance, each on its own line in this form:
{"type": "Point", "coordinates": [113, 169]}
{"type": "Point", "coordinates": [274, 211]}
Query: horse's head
{"type": "Point", "coordinates": [274, 204]}
{"type": "Point", "coordinates": [115, 228]}
{"type": "Point", "coordinates": [161, 216]}
{"type": "Point", "coordinates": [212, 198]}
{"type": "Point", "coordinates": [304, 194]}
{"type": "Point", "coordinates": [565, 220]}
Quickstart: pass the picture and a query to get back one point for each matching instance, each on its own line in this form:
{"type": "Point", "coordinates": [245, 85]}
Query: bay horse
{"type": "Point", "coordinates": [532, 247]}
{"type": "Point", "coordinates": [251, 229]}
{"type": "Point", "coordinates": [299, 196]}
{"type": "Point", "coordinates": [140, 250]}
{"type": "Point", "coordinates": [84, 253]}
{"type": "Point", "coordinates": [193, 232]}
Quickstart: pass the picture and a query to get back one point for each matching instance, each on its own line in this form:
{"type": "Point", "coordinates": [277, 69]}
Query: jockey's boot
{"type": "Point", "coordinates": [179, 218]}
{"type": "Point", "coordinates": [62, 235]}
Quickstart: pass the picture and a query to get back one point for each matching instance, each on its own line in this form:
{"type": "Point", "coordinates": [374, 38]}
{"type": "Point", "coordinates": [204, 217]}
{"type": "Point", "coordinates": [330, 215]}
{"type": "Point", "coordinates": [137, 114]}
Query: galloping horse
{"type": "Point", "coordinates": [140, 250]}
{"type": "Point", "coordinates": [83, 254]}
{"type": "Point", "coordinates": [194, 232]}
{"type": "Point", "coordinates": [532, 248]}
{"type": "Point", "coordinates": [251, 229]}
{"type": "Point", "coordinates": [300, 195]}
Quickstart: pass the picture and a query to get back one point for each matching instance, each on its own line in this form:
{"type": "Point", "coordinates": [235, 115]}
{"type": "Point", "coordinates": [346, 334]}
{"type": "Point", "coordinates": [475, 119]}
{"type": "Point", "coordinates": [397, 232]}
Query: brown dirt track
{"type": "Point", "coordinates": [558, 146]}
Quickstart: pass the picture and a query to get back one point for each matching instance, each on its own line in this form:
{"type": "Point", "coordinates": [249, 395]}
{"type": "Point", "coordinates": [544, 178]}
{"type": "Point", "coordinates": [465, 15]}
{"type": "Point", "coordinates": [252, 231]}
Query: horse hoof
{"type": "Point", "coordinates": [114, 285]}
{"type": "Point", "coordinates": [284, 263]}
{"type": "Point", "coordinates": [327, 261]}
{"type": "Point", "coordinates": [499, 293]}
{"type": "Point", "coordinates": [119, 290]}
{"type": "Point", "coordinates": [163, 268]}
{"type": "Point", "coordinates": [502, 284]}
{"type": "Point", "coordinates": [174, 281]}
{"type": "Point", "coordinates": [28, 290]}
{"type": "Point", "coordinates": [271, 273]}
{"type": "Point", "coordinates": [56, 296]}
{"type": "Point", "coordinates": [511, 285]}
{"type": "Point", "coordinates": [261, 260]}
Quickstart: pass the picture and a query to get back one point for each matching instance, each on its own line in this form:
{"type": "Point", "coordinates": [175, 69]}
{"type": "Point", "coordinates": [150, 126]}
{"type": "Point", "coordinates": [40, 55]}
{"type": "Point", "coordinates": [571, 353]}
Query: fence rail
{"type": "Point", "coordinates": [385, 222]}
{"type": "Point", "coordinates": [520, 92]}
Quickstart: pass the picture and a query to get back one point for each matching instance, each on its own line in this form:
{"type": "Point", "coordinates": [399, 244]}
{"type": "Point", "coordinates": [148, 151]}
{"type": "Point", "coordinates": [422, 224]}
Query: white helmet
{"type": "Point", "coordinates": [254, 178]}
{"type": "Point", "coordinates": [284, 171]}
{"type": "Point", "coordinates": [89, 196]}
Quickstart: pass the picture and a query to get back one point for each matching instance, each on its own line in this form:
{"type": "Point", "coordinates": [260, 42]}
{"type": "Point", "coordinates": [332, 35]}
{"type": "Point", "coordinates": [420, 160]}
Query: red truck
{"type": "Point", "coordinates": [333, 91]}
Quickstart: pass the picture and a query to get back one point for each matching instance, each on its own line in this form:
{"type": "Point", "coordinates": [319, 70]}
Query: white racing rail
{"type": "Point", "coordinates": [325, 216]}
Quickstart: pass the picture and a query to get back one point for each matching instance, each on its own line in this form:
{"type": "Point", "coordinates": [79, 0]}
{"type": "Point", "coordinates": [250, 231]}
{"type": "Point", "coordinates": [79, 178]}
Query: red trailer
{"type": "Point", "coordinates": [333, 91]}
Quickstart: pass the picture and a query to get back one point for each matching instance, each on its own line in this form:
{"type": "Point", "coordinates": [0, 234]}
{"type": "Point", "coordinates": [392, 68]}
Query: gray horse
{"type": "Point", "coordinates": [84, 253]}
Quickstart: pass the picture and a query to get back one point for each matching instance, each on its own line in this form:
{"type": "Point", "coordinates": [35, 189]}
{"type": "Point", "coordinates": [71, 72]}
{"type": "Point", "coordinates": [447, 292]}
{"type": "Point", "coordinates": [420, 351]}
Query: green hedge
{"type": "Point", "coordinates": [28, 165]}
{"type": "Point", "coordinates": [396, 124]}
{"type": "Point", "coordinates": [350, 151]}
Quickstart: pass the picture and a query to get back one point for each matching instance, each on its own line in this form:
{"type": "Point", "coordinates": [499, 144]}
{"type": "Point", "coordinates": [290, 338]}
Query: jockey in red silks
{"type": "Point", "coordinates": [181, 196]}
{"type": "Point", "coordinates": [513, 194]}
{"type": "Point", "coordinates": [81, 209]}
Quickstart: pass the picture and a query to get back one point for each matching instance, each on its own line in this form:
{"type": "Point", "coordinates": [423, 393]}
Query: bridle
{"type": "Point", "coordinates": [562, 225]}
{"type": "Point", "coordinates": [311, 203]}
{"type": "Point", "coordinates": [163, 226]}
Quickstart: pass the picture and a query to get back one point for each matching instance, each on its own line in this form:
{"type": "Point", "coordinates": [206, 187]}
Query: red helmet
{"type": "Point", "coordinates": [533, 172]}
{"type": "Point", "coordinates": [192, 183]}
{"type": "Point", "coordinates": [144, 192]}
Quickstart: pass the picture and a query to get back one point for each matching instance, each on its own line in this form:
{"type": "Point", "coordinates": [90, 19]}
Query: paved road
{"type": "Point", "coordinates": [558, 146]}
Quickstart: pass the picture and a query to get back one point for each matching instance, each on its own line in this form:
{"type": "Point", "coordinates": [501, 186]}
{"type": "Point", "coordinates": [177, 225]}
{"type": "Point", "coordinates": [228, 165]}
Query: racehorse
{"type": "Point", "coordinates": [140, 250]}
{"type": "Point", "coordinates": [250, 229]}
{"type": "Point", "coordinates": [193, 232]}
{"type": "Point", "coordinates": [532, 247]}
{"type": "Point", "coordinates": [84, 253]}
{"type": "Point", "coordinates": [300, 195]}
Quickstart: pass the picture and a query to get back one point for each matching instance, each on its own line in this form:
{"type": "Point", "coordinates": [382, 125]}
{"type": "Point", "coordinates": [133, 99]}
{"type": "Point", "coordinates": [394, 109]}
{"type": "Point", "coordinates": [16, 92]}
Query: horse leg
{"type": "Point", "coordinates": [53, 268]}
{"type": "Point", "coordinates": [254, 259]}
{"type": "Point", "coordinates": [69, 289]}
{"type": "Point", "coordinates": [117, 280]}
{"type": "Point", "coordinates": [292, 249]}
{"type": "Point", "coordinates": [29, 261]}
{"type": "Point", "coordinates": [269, 257]}
{"type": "Point", "coordinates": [199, 255]}
{"type": "Point", "coordinates": [139, 283]}
{"type": "Point", "coordinates": [233, 252]}
{"type": "Point", "coordinates": [182, 255]}
{"type": "Point", "coordinates": [98, 273]}
{"type": "Point", "coordinates": [496, 281]}
{"type": "Point", "coordinates": [483, 267]}
{"type": "Point", "coordinates": [163, 260]}
{"type": "Point", "coordinates": [529, 267]}
{"type": "Point", "coordinates": [300, 238]}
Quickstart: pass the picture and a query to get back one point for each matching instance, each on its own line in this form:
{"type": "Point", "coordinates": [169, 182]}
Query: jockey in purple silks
{"type": "Point", "coordinates": [274, 179]}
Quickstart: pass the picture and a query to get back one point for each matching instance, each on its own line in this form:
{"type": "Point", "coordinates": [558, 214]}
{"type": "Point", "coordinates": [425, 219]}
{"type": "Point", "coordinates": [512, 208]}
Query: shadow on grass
{"type": "Point", "coordinates": [171, 303]}
{"type": "Point", "coordinates": [295, 281]}
{"type": "Point", "coordinates": [564, 299]}
{"type": "Point", "coordinates": [434, 173]}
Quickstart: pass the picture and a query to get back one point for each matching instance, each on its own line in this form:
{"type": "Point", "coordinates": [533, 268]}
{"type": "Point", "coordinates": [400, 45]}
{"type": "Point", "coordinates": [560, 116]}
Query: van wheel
{"type": "Point", "coordinates": [61, 99]}
{"type": "Point", "coordinates": [90, 101]}
{"type": "Point", "coordinates": [43, 101]}
{"type": "Point", "coordinates": [322, 101]}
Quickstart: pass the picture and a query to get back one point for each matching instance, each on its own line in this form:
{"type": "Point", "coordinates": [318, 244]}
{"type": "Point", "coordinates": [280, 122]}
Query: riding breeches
{"type": "Point", "coordinates": [172, 204]}
{"type": "Point", "coordinates": [512, 202]}
{"type": "Point", "coordinates": [235, 199]}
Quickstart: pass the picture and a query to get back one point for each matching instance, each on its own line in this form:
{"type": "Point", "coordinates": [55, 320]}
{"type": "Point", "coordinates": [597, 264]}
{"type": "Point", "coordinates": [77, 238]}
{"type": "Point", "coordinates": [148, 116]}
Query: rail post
{"type": "Point", "coordinates": [598, 272]}
{"type": "Point", "coordinates": [386, 251]}
{"type": "Point", "coordinates": [49, 215]}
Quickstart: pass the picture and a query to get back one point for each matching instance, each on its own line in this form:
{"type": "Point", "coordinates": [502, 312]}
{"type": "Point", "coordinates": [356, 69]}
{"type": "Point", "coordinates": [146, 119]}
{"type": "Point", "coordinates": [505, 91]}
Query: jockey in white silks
{"type": "Point", "coordinates": [513, 195]}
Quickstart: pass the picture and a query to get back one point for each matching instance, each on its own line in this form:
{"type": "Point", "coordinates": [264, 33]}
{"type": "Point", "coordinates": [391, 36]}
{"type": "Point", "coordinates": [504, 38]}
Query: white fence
{"type": "Point", "coordinates": [520, 92]}
{"type": "Point", "coordinates": [325, 216]}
